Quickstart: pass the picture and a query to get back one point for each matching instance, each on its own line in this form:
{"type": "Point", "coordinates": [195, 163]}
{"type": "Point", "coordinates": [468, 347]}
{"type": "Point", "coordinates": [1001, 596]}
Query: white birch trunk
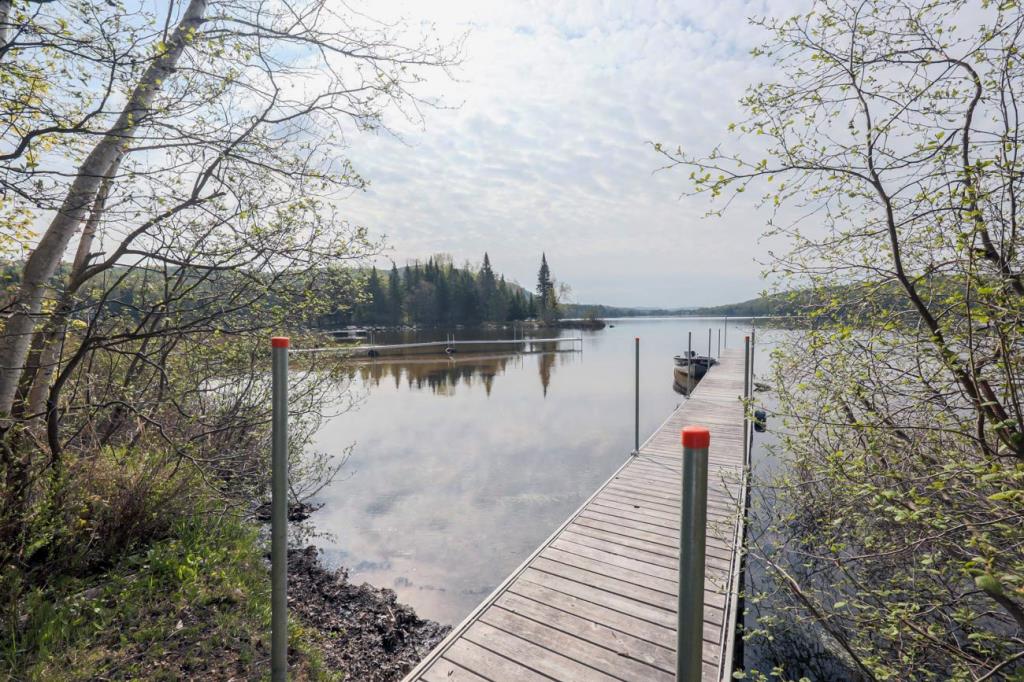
{"type": "Point", "coordinates": [45, 258]}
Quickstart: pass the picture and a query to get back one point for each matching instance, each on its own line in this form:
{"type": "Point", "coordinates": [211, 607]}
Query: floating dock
{"type": "Point", "coordinates": [597, 600]}
{"type": "Point", "coordinates": [531, 345]}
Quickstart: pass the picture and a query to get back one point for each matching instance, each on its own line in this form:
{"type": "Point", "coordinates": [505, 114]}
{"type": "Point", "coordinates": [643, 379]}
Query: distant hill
{"type": "Point", "coordinates": [776, 304]}
{"type": "Point", "coordinates": [847, 301]}
{"type": "Point", "coordinates": [843, 299]}
{"type": "Point", "coordinates": [597, 310]}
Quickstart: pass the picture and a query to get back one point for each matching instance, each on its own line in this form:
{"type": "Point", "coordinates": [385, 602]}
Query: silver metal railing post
{"type": "Point", "coordinates": [689, 362]}
{"type": "Point", "coordinates": [279, 513]}
{"type": "Point", "coordinates": [692, 540]}
{"type": "Point", "coordinates": [753, 348]}
{"type": "Point", "coordinates": [746, 395]}
{"type": "Point", "coordinates": [636, 401]}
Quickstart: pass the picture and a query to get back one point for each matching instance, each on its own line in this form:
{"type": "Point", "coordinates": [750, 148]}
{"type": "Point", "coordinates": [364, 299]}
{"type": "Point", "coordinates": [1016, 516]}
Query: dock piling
{"type": "Point", "coordinates": [689, 362]}
{"type": "Point", "coordinates": [692, 546]}
{"type": "Point", "coordinates": [747, 365]}
{"type": "Point", "coordinates": [753, 347]}
{"type": "Point", "coordinates": [636, 402]}
{"type": "Point", "coordinates": [279, 511]}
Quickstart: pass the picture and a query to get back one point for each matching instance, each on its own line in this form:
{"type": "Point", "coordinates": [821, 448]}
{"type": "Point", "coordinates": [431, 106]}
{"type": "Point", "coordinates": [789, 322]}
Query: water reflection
{"type": "Point", "coordinates": [463, 465]}
{"type": "Point", "coordinates": [547, 361]}
{"type": "Point", "coordinates": [442, 374]}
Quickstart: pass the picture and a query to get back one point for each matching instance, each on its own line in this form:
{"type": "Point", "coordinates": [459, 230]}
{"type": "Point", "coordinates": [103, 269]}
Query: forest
{"type": "Point", "coordinates": [436, 292]}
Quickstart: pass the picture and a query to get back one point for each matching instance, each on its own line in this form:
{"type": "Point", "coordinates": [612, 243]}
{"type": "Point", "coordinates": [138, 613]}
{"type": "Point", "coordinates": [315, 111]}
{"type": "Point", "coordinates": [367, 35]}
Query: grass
{"type": "Point", "coordinates": [195, 605]}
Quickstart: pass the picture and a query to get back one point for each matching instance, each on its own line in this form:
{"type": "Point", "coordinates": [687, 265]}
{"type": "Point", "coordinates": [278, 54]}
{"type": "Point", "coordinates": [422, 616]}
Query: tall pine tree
{"type": "Point", "coordinates": [374, 310]}
{"type": "Point", "coordinates": [394, 296]}
{"type": "Point", "coordinates": [488, 290]}
{"type": "Point", "coordinates": [546, 303]}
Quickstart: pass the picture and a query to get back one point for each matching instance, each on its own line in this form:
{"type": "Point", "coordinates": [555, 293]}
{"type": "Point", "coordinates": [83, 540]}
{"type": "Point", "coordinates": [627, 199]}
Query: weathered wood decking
{"type": "Point", "coordinates": [597, 601]}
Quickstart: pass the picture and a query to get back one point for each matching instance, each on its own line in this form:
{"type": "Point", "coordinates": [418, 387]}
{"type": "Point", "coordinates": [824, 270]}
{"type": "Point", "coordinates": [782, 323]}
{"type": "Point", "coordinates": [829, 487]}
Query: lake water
{"type": "Point", "coordinates": [462, 467]}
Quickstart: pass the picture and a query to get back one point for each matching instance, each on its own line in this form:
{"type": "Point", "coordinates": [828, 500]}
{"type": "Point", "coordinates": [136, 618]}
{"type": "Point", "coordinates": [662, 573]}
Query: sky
{"type": "Point", "coordinates": [545, 147]}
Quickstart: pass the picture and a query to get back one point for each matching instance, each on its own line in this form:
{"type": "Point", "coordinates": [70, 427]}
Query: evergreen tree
{"type": "Point", "coordinates": [394, 296]}
{"type": "Point", "coordinates": [488, 291]}
{"type": "Point", "coordinates": [466, 307]}
{"type": "Point", "coordinates": [436, 292]}
{"type": "Point", "coordinates": [546, 301]}
{"type": "Point", "coordinates": [499, 309]}
{"type": "Point", "coordinates": [442, 295]}
{"type": "Point", "coordinates": [516, 307]}
{"type": "Point", "coordinates": [543, 277]}
{"type": "Point", "coordinates": [416, 275]}
{"type": "Point", "coordinates": [380, 306]}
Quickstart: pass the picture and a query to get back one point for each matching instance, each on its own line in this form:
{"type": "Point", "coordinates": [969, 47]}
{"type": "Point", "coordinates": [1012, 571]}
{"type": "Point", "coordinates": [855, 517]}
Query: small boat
{"type": "Point", "coordinates": [350, 333]}
{"type": "Point", "coordinates": [699, 364]}
{"type": "Point", "coordinates": [680, 384]}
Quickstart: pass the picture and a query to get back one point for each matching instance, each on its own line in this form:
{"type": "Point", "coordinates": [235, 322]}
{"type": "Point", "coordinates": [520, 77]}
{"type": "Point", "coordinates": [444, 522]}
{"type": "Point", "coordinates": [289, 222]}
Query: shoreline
{"type": "Point", "coordinates": [362, 630]}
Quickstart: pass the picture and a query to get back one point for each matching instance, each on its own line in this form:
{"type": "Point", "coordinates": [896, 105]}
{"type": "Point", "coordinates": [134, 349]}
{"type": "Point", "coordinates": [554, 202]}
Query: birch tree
{"type": "Point", "coordinates": [187, 206]}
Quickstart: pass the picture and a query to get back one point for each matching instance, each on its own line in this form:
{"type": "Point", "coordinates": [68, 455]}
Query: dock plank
{"type": "Point", "coordinates": [597, 600]}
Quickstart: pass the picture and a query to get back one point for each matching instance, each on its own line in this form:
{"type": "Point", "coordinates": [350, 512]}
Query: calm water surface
{"type": "Point", "coordinates": [463, 466]}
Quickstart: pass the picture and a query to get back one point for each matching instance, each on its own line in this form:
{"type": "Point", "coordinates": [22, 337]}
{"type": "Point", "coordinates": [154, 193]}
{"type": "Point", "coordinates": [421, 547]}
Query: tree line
{"type": "Point", "coordinates": [437, 292]}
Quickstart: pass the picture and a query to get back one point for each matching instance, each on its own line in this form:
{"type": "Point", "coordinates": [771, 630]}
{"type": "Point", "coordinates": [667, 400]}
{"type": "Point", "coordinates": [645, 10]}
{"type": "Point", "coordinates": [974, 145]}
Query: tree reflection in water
{"type": "Point", "coordinates": [441, 375]}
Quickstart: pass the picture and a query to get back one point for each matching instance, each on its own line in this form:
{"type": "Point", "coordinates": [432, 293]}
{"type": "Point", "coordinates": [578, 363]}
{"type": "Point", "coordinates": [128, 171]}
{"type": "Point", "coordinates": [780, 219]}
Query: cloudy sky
{"type": "Point", "coordinates": [547, 148]}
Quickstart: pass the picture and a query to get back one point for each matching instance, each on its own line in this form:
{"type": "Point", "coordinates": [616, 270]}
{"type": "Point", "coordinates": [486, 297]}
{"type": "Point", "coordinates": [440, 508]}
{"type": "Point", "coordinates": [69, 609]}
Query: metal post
{"type": "Point", "coordinates": [692, 538]}
{"type": "Point", "coordinates": [719, 343]}
{"type": "Point", "coordinates": [279, 513]}
{"type": "Point", "coordinates": [689, 361]}
{"type": "Point", "coordinates": [709, 342]}
{"type": "Point", "coordinates": [636, 402]}
{"type": "Point", "coordinates": [746, 394]}
{"type": "Point", "coordinates": [753, 348]}
{"type": "Point", "coordinates": [726, 341]}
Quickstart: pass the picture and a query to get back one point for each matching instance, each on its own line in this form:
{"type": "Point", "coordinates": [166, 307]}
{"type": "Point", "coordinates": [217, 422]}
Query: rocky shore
{"type": "Point", "coordinates": [364, 631]}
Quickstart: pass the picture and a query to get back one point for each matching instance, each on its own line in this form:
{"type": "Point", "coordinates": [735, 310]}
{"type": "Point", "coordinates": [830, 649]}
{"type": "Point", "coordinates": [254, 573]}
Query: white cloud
{"type": "Point", "coordinates": [548, 148]}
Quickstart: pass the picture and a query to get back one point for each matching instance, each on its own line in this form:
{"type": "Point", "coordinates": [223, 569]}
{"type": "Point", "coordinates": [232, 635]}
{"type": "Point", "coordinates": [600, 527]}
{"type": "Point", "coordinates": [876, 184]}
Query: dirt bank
{"type": "Point", "coordinates": [365, 632]}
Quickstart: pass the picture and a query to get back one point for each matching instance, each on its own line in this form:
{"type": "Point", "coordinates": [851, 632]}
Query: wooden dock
{"type": "Point", "coordinates": [451, 346]}
{"type": "Point", "coordinates": [597, 600]}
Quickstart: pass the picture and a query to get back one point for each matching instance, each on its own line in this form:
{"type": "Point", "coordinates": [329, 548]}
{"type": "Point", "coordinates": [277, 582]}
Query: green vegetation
{"type": "Point", "coordinates": [837, 301]}
{"type": "Point", "coordinates": [437, 293]}
{"type": "Point", "coordinates": [899, 528]}
{"type": "Point", "coordinates": [187, 596]}
{"type": "Point", "coordinates": [164, 209]}
{"type": "Point", "coordinates": [584, 310]}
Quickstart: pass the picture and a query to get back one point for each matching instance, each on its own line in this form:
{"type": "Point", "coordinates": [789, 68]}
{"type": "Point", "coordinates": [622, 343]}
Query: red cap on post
{"type": "Point", "coordinates": [697, 437]}
{"type": "Point", "coordinates": [279, 341]}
